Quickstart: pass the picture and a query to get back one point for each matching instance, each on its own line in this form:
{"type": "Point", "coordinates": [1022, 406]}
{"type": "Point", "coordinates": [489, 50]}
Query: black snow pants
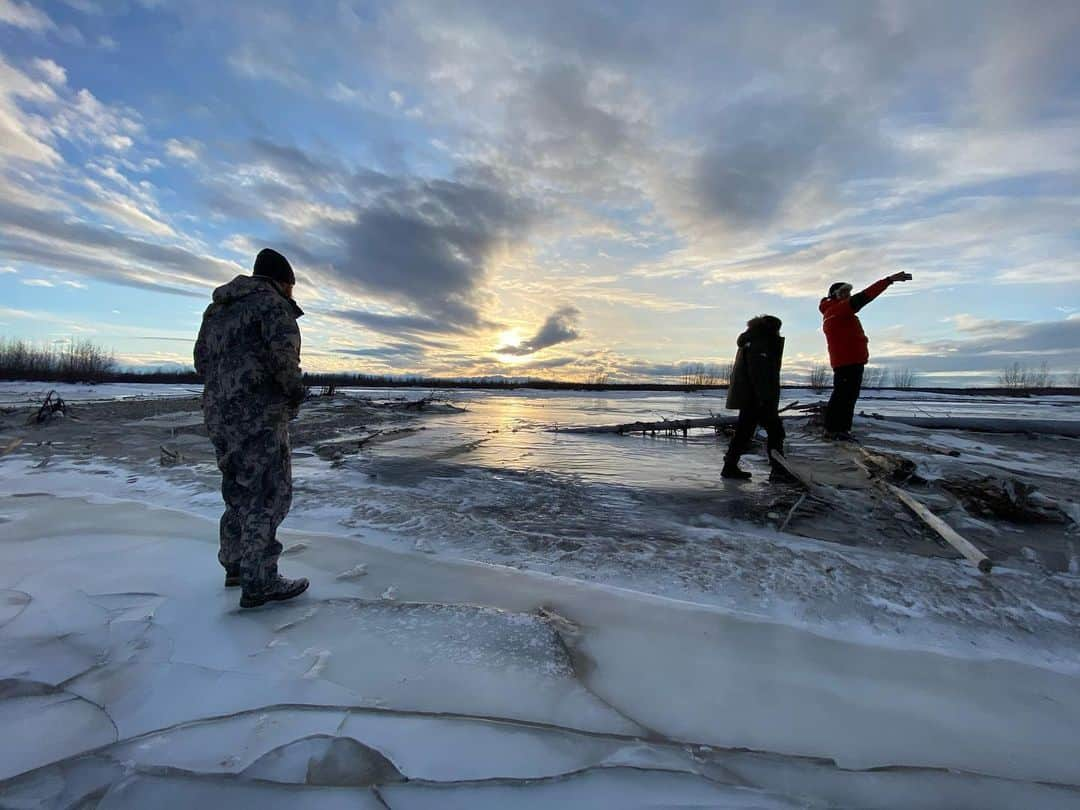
{"type": "Point", "coordinates": [847, 383]}
{"type": "Point", "coordinates": [749, 418]}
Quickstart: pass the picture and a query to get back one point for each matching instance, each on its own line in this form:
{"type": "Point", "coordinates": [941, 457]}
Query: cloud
{"type": "Point", "coordinates": [51, 238]}
{"type": "Point", "coordinates": [988, 345]}
{"type": "Point", "coordinates": [397, 325]}
{"type": "Point", "coordinates": [293, 163]}
{"type": "Point", "coordinates": [427, 244]}
{"type": "Point", "coordinates": [24, 15]}
{"type": "Point", "coordinates": [37, 282]}
{"type": "Point", "coordinates": [53, 73]}
{"type": "Point", "coordinates": [771, 152]}
{"type": "Point", "coordinates": [390, 353]}
{"type": "Point", "coordinates": [140, 214]}
{"type": "Point", "coordinates": [23, 135]}
{"type": "Point", "coordinates": [559, 327]}
{"type": "Point", "coordinates": [87, 119]}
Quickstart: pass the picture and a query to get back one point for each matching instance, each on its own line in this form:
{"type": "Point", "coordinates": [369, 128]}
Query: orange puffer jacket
{"type": "Point", "coordinates": [843, 330]}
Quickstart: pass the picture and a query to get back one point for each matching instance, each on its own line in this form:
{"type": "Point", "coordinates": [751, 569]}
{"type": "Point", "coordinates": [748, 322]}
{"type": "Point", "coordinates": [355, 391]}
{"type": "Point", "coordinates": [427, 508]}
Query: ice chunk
{"type": "Point", "coordinates": [180, 793]}
{"type": "Point", "coordinates": [12, 603]}
{"type": "Point", "coordinates": [432, 657]}
{"type": "Point", "coordinates": [142, 698]}
{"type": "Point", "coordinates": [42, 725]}
{"type": "Point", "coordinates": [76, 783]}
{"type": "Point", "coordinates": [610, 787]}
{"type": "Point", "coordinates": [355, 572]}
{"type": "Point", "coordinates": [228, 744]}
{"type": "Point", "coordinates": [325, 760]}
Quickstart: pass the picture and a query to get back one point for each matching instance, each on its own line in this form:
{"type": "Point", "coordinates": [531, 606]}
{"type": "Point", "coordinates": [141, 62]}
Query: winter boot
{"type": "Point", "coordinates": [277, 590]}
{"type": "Point", "coordinates": [777, 471]}
{"type": "Point", "coordinates": [731, 469]}
{"type": "Point", "coordinates": [232, 576]}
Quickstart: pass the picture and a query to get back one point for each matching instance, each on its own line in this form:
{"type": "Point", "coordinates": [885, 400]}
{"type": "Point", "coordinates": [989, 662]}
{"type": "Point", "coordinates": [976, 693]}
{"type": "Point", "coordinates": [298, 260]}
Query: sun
{"type": "Point", "coordinates": [509, 337]}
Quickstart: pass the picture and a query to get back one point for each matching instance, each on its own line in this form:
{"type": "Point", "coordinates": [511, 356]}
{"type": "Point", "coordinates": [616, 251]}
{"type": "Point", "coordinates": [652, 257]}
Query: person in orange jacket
{"type": "Point", "coordinates": [848, 352]}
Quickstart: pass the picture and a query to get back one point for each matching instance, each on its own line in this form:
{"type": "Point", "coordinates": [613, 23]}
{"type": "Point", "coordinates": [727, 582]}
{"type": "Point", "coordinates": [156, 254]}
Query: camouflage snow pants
{"type": "Point", "coordinates": [256, 484]}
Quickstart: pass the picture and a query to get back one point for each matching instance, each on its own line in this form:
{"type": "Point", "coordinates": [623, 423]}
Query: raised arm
{"type": "Point", "coordinates": [861, 299]}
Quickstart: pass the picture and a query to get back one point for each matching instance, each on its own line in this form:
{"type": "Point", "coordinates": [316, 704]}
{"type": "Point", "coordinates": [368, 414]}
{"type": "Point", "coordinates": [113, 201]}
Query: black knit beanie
{"type": "Point", "coordinates": [271, 264]}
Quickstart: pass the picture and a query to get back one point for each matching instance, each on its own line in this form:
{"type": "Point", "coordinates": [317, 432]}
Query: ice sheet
{"type": "Point", "coordinates": [857, 677]}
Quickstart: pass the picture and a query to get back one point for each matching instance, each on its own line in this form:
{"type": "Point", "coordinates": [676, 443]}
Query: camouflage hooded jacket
{"type": "Point", "coordinates": [248, 353]}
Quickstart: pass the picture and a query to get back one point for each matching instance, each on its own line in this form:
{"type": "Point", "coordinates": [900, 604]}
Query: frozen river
{"type": "Point", "coordinates": [516, 430]}
{"type": "Point", "coordinates": [687, 652]}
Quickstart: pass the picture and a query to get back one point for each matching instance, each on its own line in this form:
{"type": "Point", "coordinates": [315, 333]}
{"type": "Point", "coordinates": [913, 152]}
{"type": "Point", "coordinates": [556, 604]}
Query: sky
{"type": "Point", "coordinates": [566, 190]}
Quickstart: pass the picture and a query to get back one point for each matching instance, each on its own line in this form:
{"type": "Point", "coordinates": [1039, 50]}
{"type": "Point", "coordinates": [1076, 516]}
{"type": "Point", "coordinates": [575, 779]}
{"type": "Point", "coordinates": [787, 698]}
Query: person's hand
{"type": "Point", "coordinates": [901, 276]}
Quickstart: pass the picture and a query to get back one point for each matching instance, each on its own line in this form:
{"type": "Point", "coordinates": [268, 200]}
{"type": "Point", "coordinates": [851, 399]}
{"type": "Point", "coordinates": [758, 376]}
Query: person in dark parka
{"type": "Point", "coordinates": [755, 391]}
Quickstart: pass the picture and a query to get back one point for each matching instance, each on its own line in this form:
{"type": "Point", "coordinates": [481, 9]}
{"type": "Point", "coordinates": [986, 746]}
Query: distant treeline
{"type": "Point", "coordinates": [81, 361]}
{"type": "Point", "coordinates": [374, 381]}
{"type": "Point", "coordinates": [75, 361]}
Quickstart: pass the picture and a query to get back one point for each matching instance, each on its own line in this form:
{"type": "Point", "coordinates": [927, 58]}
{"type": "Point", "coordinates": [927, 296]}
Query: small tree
{"type": "Point", "coordinates": [1041, 377]}
{"type": "Point", "coordinates": [874, 377]}
{"type": "Point", "coordinates": [1012, 377]}
{"type": "Point", "coordinates": [699, 374]}
{"type": "Point", "coordinates": [819, 377]}
{"type": "Point", "coordinates": [1017, 377]}
{"type": "Point", "coordinates": [904, 378]}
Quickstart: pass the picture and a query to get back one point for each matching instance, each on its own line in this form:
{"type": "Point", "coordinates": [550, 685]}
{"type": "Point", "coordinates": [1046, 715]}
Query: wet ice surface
{"type": "Point", "coordinates": [856, 672]}
{"type": "Point", "coordinates": [462, 692]}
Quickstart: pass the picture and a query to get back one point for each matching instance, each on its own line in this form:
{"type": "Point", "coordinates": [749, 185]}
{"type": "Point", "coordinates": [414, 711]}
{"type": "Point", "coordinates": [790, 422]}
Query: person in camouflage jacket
{"type": "Point", "coordinates": [248, 353]}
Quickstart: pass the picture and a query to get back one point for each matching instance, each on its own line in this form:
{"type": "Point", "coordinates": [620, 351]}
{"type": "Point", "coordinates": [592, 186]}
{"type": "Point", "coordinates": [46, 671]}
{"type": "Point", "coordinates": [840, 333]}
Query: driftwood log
{"type": "Point", "coordinates": [986, 424]}
{"type": "Point", "coordinates": [666, 425]}
{"type": "Point", "coordinates": [10, 447]}
{"type": "Point", "coordinates": [948, 533]}
{"type": "Point", "coordinates": [334, 449]}
{"type": "Point", "coordinates": [663, 426]}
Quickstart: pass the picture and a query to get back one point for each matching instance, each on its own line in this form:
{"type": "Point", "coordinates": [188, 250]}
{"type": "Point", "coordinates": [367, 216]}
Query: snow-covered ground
{"type": "Point", "coordinates": [504, 616]}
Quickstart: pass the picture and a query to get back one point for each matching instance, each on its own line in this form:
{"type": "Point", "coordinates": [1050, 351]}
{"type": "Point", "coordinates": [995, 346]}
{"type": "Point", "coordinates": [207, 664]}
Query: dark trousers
{"type": "Point", "coordinates": [749, 418]}
{"type": "Point", "coordinates": [256, 485]}
{"type": "Point", "coordinates": [847, 383]}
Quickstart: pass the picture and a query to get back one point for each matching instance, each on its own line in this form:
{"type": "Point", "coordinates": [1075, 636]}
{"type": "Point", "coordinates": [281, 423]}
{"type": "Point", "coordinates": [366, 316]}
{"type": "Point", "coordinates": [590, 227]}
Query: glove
{"type": "Point", "coordinates": [901, 276]}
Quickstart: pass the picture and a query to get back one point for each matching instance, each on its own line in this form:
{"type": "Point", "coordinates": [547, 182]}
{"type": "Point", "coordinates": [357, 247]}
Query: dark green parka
{"type": "Point", "coordinates": [755, 375]}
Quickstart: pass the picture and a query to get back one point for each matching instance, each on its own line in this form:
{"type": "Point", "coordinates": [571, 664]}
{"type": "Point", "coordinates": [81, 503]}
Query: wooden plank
{"type": "Point", "coordinates": [951, 536]}
{"type": "Point", "coordinates": [796, 473]}
{"type": "Point", "coordinates": [10, 447]}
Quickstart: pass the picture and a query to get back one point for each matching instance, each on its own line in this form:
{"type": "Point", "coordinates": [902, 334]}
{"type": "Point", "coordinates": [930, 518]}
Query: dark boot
{"type": "Point", "coordinates": [731, 469]}
{"type": "Point", "coordinates": [232, 576]}
{"type": "Point", "coordinates": [777, 471]}
{"type": "Point", "coordinates": [278, 590]}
